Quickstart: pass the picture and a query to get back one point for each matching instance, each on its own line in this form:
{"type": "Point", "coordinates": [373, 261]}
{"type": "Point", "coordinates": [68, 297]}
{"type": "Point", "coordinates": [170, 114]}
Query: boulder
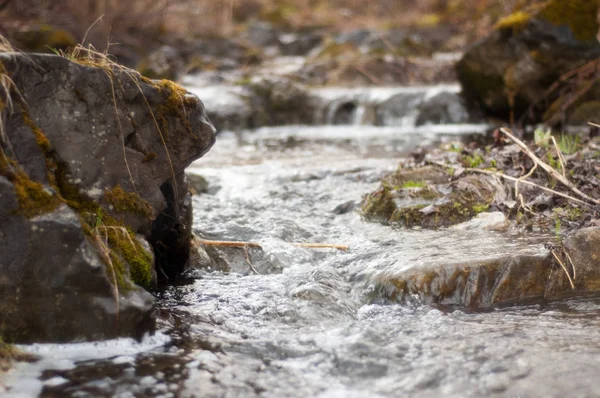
{"type": "Point", "coordinates": [528, 51]}
{"type": "Point", "coordinates": [165, 62]}
{"type": "Point", "coordinates": [93, 195]}
{"type": "Point", "coordinates": [279, 101]}
{"type": "Point", "coordinates": [529, 274]}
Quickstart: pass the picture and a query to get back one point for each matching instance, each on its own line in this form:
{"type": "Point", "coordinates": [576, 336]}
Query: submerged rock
{"type": "Point", "coordinates": [529, 50]}
{"type": "Point", "coordinates": [521, 277]}
{"type": "Point", "coordinates": [92, 162]}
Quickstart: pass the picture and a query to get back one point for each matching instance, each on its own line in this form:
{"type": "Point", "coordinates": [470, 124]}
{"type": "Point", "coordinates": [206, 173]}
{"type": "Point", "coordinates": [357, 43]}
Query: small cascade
{"type": "Point", "coordinates": [393, 106]}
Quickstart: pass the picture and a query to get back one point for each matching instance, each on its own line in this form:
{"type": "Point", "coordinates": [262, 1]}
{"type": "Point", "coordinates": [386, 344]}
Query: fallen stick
{"type": "Point", "coordinates": [228, 243]}
{"type": "Point", "coordinates": [547, 168]}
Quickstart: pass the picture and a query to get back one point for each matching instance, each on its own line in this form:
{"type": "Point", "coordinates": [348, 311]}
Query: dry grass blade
{"type": "Point", "coordinates": [561, 158]}
{"type": "Point", "coordinates": [543, 188]}
{"type": "Point", "coordinates": [105, 254]}
{"type": "Point", "coordinates": [572, 265]}
{"type": "Point", "coordinates": [546, 167]}
{"type": "Point", "coordinates": [564, 269]}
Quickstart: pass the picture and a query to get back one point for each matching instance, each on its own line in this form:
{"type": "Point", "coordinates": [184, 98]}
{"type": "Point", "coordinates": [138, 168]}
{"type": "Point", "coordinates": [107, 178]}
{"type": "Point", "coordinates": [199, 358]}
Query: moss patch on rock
{"type": "Point", "coordinates": [34, 199]}
{"type": "Point", "coordinates": [177, 98]}
{"type": "Point", "coordinates": [123, 201]}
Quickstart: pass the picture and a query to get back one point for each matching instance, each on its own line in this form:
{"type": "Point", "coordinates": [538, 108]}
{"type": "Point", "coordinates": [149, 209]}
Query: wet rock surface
{"type": "Point", "coordinates": [91, 170]}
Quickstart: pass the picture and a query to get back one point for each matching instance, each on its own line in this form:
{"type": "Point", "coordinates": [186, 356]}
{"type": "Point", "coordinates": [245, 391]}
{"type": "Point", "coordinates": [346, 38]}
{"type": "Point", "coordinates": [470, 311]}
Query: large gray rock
{"type": "Point", "coordinates": [91, 170]}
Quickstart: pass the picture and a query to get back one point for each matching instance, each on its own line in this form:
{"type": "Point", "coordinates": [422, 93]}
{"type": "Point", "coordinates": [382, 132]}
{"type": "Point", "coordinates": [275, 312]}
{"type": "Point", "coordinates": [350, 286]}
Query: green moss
{"type": "Point", "coordinates": [480, 208]}
{"type": "Point", "coordinates": [40, 137]}
{"type": "Point", "coordinates": [579, 15]}
{"type": "Point", "coordinates": [472, 161]}
{"type": "Point", "coordinates": [516, 20]}
{"type": "Point", "coordinates": [409, 216]}
{"type": "Point", "coordinates": [33, 198]}
{"type": "Point", "coordinates": [379, 205]}
{"type": "Point", "coordinates": [413, 184]}
{"type": "Point", "coordinates": [123, 201]}
{"type": "Point", "coordinates": [177, 99]}
{"type": "Point", "coordinates": [124, 244]}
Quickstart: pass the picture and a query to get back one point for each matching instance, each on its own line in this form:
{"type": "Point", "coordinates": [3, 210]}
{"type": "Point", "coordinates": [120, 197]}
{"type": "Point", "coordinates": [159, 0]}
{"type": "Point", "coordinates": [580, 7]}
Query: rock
{"type": "Point", "coordinates": [299, 44]}
{"type": "Point", "coordinates": [528, 274]}
{"type": "Point", "coordinates": [278, 101]}
{"type": "Point", "coordinates": [399, 110]}
{"type": "Point", "coordinates": [344, 208]}
{"type": "Point", "coordinates": [164, 63]}
{"type": "Point", "coordinates": [444, 108]}
{"type": "Point", "coordinates": [410, 202]}
{"type": "Point", "coordinates": [229, 107]}
{"type": "Point", "coordinates": [355, 37]}
{"type": "Point", "coordinates": [513, 67]}
{"type": "Point", "coordinates": [85, 174]}
{"type": "Point", "coordinates": [491, 221]}
{"type": "Point", "coordinates": [198, 183]}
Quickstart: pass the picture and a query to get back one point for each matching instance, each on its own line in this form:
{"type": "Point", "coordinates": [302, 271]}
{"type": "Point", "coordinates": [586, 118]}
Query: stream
{"type": "Point", "coordinates": [284, 321]}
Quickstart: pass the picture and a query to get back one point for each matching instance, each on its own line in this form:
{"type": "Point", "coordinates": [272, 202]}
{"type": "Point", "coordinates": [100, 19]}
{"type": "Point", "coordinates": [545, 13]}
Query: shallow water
{"type": "Point", "coordinates": [312, 322]}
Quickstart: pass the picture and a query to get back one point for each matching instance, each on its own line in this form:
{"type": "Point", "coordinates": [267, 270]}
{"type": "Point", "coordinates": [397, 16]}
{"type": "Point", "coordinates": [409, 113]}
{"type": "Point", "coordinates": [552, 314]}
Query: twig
{"type": "Point", "coordinates": [507, 177]}
{"type": "Point", "coordinates": [228, 243]}
{"type": "Point", "coordinates": [547, 168]}
{"type": "Point", "coordinates": [520, 179]}
{"type": "Point", "coordinates": [564, 268]}
{"type": "Point", "coordinates": [247, 257]}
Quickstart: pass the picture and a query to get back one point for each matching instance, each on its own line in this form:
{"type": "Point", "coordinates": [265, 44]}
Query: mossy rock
{"type": "Point", "coordinates": [44, 38]}
{"type": "Point", "coordinates": [429, 205]}
{"type": "Point", "coordinates": [512, 69]}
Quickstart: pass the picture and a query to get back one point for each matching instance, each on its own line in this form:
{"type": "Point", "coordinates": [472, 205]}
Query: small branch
{"type": "Point", "coordinates": [227, 243]}
{"type": "Point", "coordinates": [547, 168]}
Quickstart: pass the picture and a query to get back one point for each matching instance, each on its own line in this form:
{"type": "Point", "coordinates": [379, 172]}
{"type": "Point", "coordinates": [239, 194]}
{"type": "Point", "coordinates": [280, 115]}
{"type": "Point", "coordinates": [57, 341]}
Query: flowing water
{"type": "Point", "coordinates": [304, 323]}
